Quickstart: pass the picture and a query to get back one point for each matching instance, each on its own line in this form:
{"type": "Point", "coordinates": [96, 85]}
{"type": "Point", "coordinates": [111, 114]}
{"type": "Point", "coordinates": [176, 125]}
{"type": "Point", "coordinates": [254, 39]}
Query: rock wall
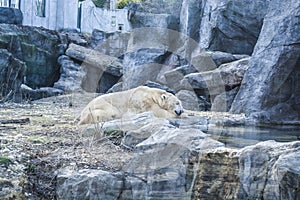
{"type": "Point", "coordinates": [39, 48]}
{"type": "Point", "coordinates": [12, 72]}
{"type": "Point", "coordinates": [270, 88]}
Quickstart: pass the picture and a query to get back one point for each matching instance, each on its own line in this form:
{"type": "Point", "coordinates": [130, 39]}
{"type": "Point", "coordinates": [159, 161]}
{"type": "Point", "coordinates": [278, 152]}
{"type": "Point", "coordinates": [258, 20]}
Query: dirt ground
{"type": "Point", "coordinates": [38, 138]}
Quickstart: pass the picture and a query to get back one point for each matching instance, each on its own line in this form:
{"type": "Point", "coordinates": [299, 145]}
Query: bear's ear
{"type": "Point", "coordinates": [163, 97]}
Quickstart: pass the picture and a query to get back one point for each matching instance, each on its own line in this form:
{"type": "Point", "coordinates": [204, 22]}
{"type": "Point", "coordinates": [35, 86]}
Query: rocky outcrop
{"type": "Point", "coordinates": [102, 71]}
{"type": "Point", "coordinates": [112, 44]}
{"type": "Point", "coordinates": [217, 82]}
{"type": "Point", "coordinates": [12, 72]}
{"type": "Point", "coordinates": [71, 75]}
{"type": "Point", "coordinates": [231, 26]}
{"type": "Point", "coordinates": [39, 48]}
{"type": "Point", "coordinates": [175, 160]}
{"type": "Point", "coordinates": [270, 88]}
{"type": "Point", "coordinates": [266, 170]}
{"type": "Point", "coordinates": [10, 16]}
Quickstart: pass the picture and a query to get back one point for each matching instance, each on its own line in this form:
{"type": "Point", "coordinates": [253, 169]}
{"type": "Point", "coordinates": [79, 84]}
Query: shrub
{"type": "Point", "coordinates": [123, 3]}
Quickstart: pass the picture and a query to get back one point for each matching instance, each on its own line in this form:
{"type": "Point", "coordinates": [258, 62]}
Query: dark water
{"type": "Point", "coordinates": [242, 136]}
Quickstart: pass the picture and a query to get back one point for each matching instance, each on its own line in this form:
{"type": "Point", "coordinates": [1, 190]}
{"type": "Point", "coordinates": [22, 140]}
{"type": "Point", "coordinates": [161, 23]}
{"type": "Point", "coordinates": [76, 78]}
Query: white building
{"type": "Point", "coordinates": [107, 20]}
{"type": "Point", "coordinates": [51, 14]}
{"type": "Point", "coordinates": [70, 14]}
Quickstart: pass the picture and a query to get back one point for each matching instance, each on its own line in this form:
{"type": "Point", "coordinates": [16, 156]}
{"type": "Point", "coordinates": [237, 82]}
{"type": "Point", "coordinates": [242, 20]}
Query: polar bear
{"type": "Point", "coordinates": [133, 101]}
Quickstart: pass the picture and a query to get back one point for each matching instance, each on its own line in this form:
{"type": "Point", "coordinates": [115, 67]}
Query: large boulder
{"type": "Point", "coordinates": [231, 26]}
{"type": "Point", "coordinates": [113, 43]}
{"type": "Point", "coordinates": [102, 71]}
{"type": "Point", "coordinates": [10, 16]}
{"type": "Point", "coordinates": [267, 170]}
{"type": "Point", "coordinates": [11, 76]}
{"type": "Point", "coordinates": [39, 48]}
{"type": "Point", "coordinates": [270, 89]}
{"type": "Point", "coordinates": [71, 75]}
{"type": "Point", "coordinates": [216, 82]}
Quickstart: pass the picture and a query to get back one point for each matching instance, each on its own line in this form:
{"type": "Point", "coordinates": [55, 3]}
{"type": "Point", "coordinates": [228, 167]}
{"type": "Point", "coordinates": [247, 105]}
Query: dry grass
{"type": "Point", "coordinates": [52, 140]}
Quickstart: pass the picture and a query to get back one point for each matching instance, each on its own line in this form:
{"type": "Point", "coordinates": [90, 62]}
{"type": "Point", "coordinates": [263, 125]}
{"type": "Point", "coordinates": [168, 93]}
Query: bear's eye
{"type": "Point", "coordinates": [177, 103]}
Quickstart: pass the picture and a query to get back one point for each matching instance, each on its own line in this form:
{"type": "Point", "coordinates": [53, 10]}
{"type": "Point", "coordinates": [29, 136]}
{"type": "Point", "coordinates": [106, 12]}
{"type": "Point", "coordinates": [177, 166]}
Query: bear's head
{"type": "Point", "coordinates": [171, 103]}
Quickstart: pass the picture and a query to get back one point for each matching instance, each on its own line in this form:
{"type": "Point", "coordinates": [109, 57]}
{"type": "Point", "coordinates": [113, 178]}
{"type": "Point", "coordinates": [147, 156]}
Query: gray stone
{"type": "Point", "coordinates": [166, 21]}
{"type": "Point", "coordinates": [11, 76]}
{"type": "Point", "coordinates": [190, 19]}
{"type": "Point", "coordinates": [118, 87]}
{"type": "Point", "coordinates": [273, 75]}
{"type": "Point", "coordinates": [88, 184]}
{"type": "Point", "coordinates": [203, 62]}
{"type": "Point", "coordinates": [173, 77]}
{"type": "Point", "coordinates": [39, 48]}
{"type": "Point", "coordinates": [222, 57]}
{"type": "Point", "coordinates": [267, 170]}
{"type": "Point", "coordinates": [113, 44]}
{"type": "Point", "coordinates": [189, 100]}
{"type": "Point", "coordinates": [159, 86]}
{"type": "Point", "coordinates": [142, 66]}
{"type": "Point", "coordinates": [216, 82]}
{"type": "Point", "coordinates": [71, 75]}
{"type": "Point", "coordinates": [135, 128]}
{"type": "Point", "coordinates": [264, 170]}
{"type": "Point", "coordinates": [102, 71]}
{"type": "Point", "coordinates": [43, 92]}
{"type": "Point", "coordinates": [10, 16]}
{"type": "Point", "coordinates": [223, 101]}
{"type": "Point", "coordinates": [231, 26]}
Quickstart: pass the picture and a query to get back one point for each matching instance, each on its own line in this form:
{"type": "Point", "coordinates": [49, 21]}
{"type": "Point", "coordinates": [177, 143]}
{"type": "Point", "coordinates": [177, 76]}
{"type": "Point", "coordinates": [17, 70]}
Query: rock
{"type": "Point", "coordinates": [220, 58]}
{"type": "Point", "coordinates": [10, 16]}
{"type": "Point", "coordinates": [71, 75]}
{"type": "Point", "coordinates": [192, 139]}
{"type": "Point", "coordinates": [285, 176]}
{"type": "Point", "coordinates": [189, 100]}
{"type": "Point", "coordinates": [192, 122]}
{"type": "Point", "coordinates": [116, 88]}
{"type": "Point", "coordinates": [203, 62]}
{"type": "Point", "coordinates": [142, 66]}
{"type": "Point", "coordinates": [73, 36]}
{"type": "Point", "coordinates": [136, 128]}
{"type": "Point", "coordinates": [112, 44]}
{"type": "Point", "coordinates": [43, 92]}
{"type": "Point", "coordinates": [223, 101]}
{"type": "Point", "coordinates": [217, 175]}
{"type": "Point", "coordinates": [230, 26]}
{"type": "Point", "coordinates": [39, 48]}
{"type": "Point", "coordinates": [273, 74]}
{"type": "Point", "coordinates": [11, 76]}
{"type": "Point", "coordinates": [173, 77]}
{"type": "Point", "coordinates": [157, 7]}
{"type": "Point", "coordinates": [189, 23]}
{"type": "Point", "coordinates": [262, 171]}
{"type": "Point", "coordinates": [216, 82]}
{"type": "Point", "coordinates": [88, 184]}
{"type": "Point", "coordinates": [166, 21]}
{"type": "Point", "coordinates": [159, 86]}
{"type": "Point", "coordinates": [102, 71]}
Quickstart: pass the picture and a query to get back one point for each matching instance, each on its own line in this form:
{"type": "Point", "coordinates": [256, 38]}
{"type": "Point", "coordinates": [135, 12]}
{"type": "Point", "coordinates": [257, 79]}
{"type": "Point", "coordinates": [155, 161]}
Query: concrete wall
{"type": "Point", "coordinates": [102, 19]}
{"type": "Point", "coordinates": [58, 14]}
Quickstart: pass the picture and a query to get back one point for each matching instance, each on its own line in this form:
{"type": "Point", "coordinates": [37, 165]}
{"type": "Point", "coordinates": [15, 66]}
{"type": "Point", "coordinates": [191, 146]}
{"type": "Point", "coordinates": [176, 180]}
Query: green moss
{"type": "Point", "coordinates": [5, 160]}
{"type": "Point", "coordinates": [123, 3]}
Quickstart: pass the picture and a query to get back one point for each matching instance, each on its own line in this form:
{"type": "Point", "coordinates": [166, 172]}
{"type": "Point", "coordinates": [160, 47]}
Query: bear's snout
{"type": "Point", "coordinates": [178, 112]}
